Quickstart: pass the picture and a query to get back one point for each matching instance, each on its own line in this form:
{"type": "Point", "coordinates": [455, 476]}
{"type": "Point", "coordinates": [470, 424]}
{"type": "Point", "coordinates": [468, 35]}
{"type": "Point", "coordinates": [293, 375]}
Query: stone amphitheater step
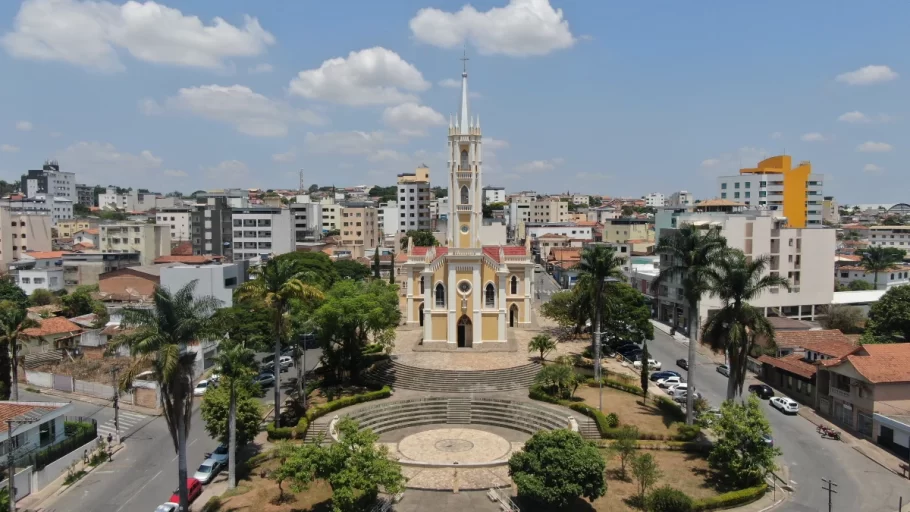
{"type": "Point", "coordinates": [588, 429]}
{"type": "Point", "coordinates": [459, 411]}
{"type": "Point", "coordinates": [453, 381]}
{"type": "Point", "coordinates": [317, 430]}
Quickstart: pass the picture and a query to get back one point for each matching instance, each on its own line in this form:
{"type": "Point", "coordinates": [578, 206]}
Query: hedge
{"type": "Point", "coordinates": [670, 408]}
{"type": "Point", "coordinates": [731, 499]}
{"type": "Point", "coordinates": [622, 386]}
{"type": "Point", "coordinates": [599, 418]}
{"type": "Point", "coordinates": [275, 434]}
{"type": "Point", "coordinates": [321, 410]}
{"type": "Point", "coordinates": [536, 393]}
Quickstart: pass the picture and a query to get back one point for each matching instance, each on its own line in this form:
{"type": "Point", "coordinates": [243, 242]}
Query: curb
{"type": "Point", "coordinates": [64, 488]}
{"type": "Point", "coordinates": [96, 401]}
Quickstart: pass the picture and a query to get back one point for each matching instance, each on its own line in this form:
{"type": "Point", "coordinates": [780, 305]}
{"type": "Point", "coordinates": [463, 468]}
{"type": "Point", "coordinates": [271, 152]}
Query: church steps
{"type": "Point", "coordinates": [453, 381]}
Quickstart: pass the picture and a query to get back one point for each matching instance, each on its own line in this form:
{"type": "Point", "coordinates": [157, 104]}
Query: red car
{"type": "Point", "coordinates": [193, 489]}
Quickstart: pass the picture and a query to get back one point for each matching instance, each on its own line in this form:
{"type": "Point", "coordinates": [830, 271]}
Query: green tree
{"type": "Point", "coordinates": [597, 264]}
{"type": "Point", "coordinates": [316, 268]}
{"type": "Point", "coordinates": [557, 467]}
{"type": "Point", "coordinates": [333, 232]}
{"type": "Point", "coordinates": [277, 283]}
{"type": "Point", "coordinates": [733, 330]}
{"type": "Point", "coordinates": [668, 499]}
{"type": "Point", "coordinates": [628, 316]}
{"type": "Point", "coordinates": [385, 194]}
{"type": "Point", "coordinates": [421, 238]}
{"type": "Point", "coordinates": [542, 344]}
{"type": "Point", "coordinates": [848, 319]}
{"type": "Point", "coordinates": [248, 320]}
{"type": "Point", "coordinates": [879, 259]}
{"type": "Point", "coordinates": [353, 313]}
{"type": "Point", "coordinates": [376, 268]}
{"type": "Point", "coordinates": [690, 252]}
{"type": "Point", "coordinates": [392, 270]}
{"type": "Point", "coordinates": [560, 380]}
{"type": "Point", "coordinates": [351, 269]}
{"type": "Point", "coordinates": [439, 192]}
{"type": "Point", "coordinates": [741, 456]}
{"type": "Point", "coordinates": [644, 371]}
{"type": "Point", "coordinates": [356, 467]}
{"type": "Point", "coordinates": [560, 309]}
{"type": "Point", "coordinates": [10, 291]}
{"type": "Point", "coordinates": [646, 474]}
{"type": "Point", "coordinates": [41, 297]}
{"type": "Point", "coordinates": [158, 339]}
{"type": "Point", "coordinates": [890, 316]}
{"type": "Point", "coordinates": [237, 365]}
{"type": "Point", "coordinates": [313, 188]}
{"type": "Point", "coordinates": [625, 446]}
{"type": "Point", "coordinates": [79, 302]}
{"type": "Point", "coordinates": [859, 285]}
{"type": "Point", "coordinates": [13, 320]}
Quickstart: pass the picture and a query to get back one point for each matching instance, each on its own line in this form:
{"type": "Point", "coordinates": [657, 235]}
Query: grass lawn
{"type": "Point", "coordinates": [262, 492]}
{"type": "Point", "coordinates": [648, 418]}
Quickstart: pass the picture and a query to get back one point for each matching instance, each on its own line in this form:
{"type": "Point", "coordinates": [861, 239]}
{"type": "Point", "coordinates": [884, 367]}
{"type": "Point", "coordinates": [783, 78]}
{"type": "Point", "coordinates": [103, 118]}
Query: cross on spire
{"type": "Point", "coordinates": [464, 60]}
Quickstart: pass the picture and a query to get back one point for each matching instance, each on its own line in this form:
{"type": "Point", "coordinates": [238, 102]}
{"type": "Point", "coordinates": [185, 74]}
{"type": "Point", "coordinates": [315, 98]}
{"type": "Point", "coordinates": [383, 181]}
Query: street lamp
{"type": "Point", "coordinates": [597, 369]}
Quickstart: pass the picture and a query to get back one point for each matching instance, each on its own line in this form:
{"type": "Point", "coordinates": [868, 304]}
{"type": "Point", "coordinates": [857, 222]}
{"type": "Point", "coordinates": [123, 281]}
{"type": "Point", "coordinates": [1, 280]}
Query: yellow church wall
{"type": "Point", "coordinates": [518, 302]}
{"type": "Point", "coordinates": [490, 329]}
{"type": "Point", "coordinates": [416, 311]}
{"type": "Point", "coordinates": [439, 327]}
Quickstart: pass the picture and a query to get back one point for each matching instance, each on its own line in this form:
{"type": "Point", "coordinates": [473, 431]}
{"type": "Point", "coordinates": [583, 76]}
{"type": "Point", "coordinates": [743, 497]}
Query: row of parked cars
{"type": "Point", "coordinates": [210, 467]}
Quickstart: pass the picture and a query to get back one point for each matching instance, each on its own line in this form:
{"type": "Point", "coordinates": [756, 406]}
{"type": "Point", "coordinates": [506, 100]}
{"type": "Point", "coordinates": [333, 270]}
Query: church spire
{"type": "Point", "coordinates": [463, 122]}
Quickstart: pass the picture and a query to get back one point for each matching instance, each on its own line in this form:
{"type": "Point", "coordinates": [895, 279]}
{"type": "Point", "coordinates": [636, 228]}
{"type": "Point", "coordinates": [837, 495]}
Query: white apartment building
{"type": "Point", "coordinates": [149, 240]}
{"type": "Point", "coordinates": [50, 279]}
{"type": "Point", "coordinates": [567, 229]}
{"type": "Point", "coordinates": [331, 216]}
{"type": "Point", "coordinates": [602, 213]}
{"type": "Point", "coordinates": [387, 214]}
{"type": "Point", "coordinates": [59, 208]}
{"type": "Point", "coordinates": [549, 210]}
{"type": "Point", "coordinates": [494, 194]}
{"type": "Point", "coordinates": [654, 200]}
{"type": "Point", "coordinates": [581, 199]}
{"type": "Point", "coordinates": [50, 181]}
{"type": "Point", "coordinates": [681, 198]}
{"type": "Point", "coordinates": [896, 276]}
{"type": "Point", "coordinates": [177, 219]}
{"type": "Point", "coordinates": [766, 191]}
{"type": "Point", "coordinates": [804, 256]}
{"type": "Point", "coordinates": [213, 280]}
{"type": "Point", "coordinates": [130, 201]}
{"type": "Point", "coordinates": [889, 236]}
{"type": "Point", "coordinates": [262, 231]}
{"type": "Point", "coordinates": [414, 201]}
{"type": "Point", "coordinates": [232, 197]}
{"type": "Point", "coordinates": [307, 220]}
{"type": "Point", "coordinates": [22, 231]}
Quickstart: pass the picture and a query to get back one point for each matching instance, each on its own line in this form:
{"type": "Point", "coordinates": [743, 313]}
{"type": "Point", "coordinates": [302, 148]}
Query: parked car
{"type": "Point", "coordinates": [629, 351]}
{"type": "Point", "coordinates": [678, 389]}
{"type": "Point", "coordinates": [625, 346]}
{"type": "Point", "coordinates": [682, 363]}
{"type": "Point", "coordinates": [168, 507]}
{"type": "Point", "coordinates": [681, 396]}
{"type": "Point", "coordinates": [763, 391]}
{"type": "Point", "coordinates": [207, 471]}
{"type": "Point", "coordinates": [656, 376]}
{"type": "Point", "coordinates": [193, 490]}
{"type": "Point", "coordinates": [200, 388]}
{"type": "Point", "coordinates": [784, 404]}
{"type": "Point", "coordinates": [265, 379]}
{"type": "Point", "coordinates": [220, 455]}
{"type": "Point", "coordinates": [270, 368]}
{"type": "Point", "coordinates": [652, 364]}
{"type": "Point", "coordinates": [669, 382]}
{"type": "Point", "coordinates": [723, 370]}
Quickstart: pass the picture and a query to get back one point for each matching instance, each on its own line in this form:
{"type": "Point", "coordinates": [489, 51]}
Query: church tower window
{"type": "Point", "coordinates": [490, 296]}
{"type": "Point", "coordinates": [465, 196]}
{"type": "Point", "coordinates": [440, 296]}
{"type": "Point", "coordinates": [464, 159]}
{"type": "Point", "coordinates": [421, 285]}
{"type": "Point", "coordinates": [514, 286]}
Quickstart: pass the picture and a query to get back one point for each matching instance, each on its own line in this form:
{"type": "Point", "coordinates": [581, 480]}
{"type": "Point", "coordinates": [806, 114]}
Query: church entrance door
{"type": "Point", "coordinates": [513, 315]}
{"type": "Point", "coordinates": [420, 314]}
{"type": "Point", "coordinates": [465, 332]}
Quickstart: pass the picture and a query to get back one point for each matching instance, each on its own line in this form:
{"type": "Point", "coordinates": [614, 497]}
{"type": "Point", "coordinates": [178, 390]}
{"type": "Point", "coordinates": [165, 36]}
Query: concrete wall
{"type": "Point", "coordinates": [217, 281]}
{"type": "Point", "coordinates": [54, 470]}
{"type": "Point", "coordinates": [23, 482]}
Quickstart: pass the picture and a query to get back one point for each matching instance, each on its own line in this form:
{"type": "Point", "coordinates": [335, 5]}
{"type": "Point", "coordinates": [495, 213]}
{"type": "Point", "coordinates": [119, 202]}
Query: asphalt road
{"type": "Point", "coordinates": [144, 475]}
{"type": "Point", "coordinates": [862, 485]}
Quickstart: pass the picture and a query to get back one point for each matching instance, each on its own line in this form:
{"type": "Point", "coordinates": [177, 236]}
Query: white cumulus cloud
{"type": "Point", "coordinates": [813, 137]}
{"type": "Point", "coordinates": [93, 34]}
{"type": "Point", "coordinates": [175, 173]}
{"type": "Point", "coordinates": [347, 143]}
{"type": "Point", "coordinates": [411, 118]}
{"type": "Point", "coordinates": [776, 135]}
{"type": "Point", "coordinates": [24, 126]}
{"type": "Point", "coordinates": [451, 83]}
{"type": "Point", "coordinates": [98, 162]}
{"type": "Point", "coordinates": [247, 111]}
{"type": "Point", "coordinates": [521, 28]}
{"type": "Point", "coordinates": [8, 148]}
{"type": "Point", "coordinates": [261, 68]}
{"type": "Point", "coordinates": [539, 165]}
{"type": "Point", "coordinates": [872, 168]}
{"type": "Point", "coordinates": [374, 76]}
{"type": "Point", "coordinates": [868, 75]}
{"type": "Point", "coordinates": [854, 117]}
{"type": "Point", "coordinates": [284, 158]}
{"type": "Point", "coordinates": [874, 147]}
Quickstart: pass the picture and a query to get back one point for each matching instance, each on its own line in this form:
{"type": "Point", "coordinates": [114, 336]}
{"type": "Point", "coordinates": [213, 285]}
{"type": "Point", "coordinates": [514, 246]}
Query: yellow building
{"type": "Point", "coordinates": [69, 227]}
{"type": "Point", "coordinates": [465, 294]}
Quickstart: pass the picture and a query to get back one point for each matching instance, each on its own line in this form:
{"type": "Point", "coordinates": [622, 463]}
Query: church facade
{"type": "Point", "coordinates": [465, 294]}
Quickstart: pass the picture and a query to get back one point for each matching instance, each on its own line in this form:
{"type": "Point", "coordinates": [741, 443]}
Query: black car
{"type": "Point", "coordinates": [656, 376]}
{"type": "Point", "coordinates": [682, 363]}
{"type": "Point", "coordinates": [763, 391]}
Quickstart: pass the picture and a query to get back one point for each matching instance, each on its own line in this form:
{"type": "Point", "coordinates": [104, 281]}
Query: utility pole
{"type": "Point", "coordinates": [114, 371]}
{"type": "Point", "coordinates": [10, 461]}
{"type": "Point", "coordinates": [831, 485]}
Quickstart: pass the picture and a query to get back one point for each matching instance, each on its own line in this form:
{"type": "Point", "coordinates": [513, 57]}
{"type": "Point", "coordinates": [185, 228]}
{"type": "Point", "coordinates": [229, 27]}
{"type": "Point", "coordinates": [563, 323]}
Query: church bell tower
{"type": "Point", "coordinates": [465, 163]}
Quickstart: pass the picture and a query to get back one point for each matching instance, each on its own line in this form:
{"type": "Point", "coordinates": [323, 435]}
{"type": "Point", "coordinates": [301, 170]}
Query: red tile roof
{"type": "Point", "coordinates": [46, 255]}
{"type": "Point", "coordinates": [830, 342]}
{"type": "Point", "coordinates": [53, 325]}
{"type": "Point", "coordinates": [508, 250]}
{"type": "Point", "coordinates": [191, 259]}
{"type": "Point", "coordinates": [10, 410]}
{"type": "Point", "coordinates": [792, 363]}
{"type": "Point", "coordinates": [183, 249]}
{"type": "Point", "coordinates": [882, 363]}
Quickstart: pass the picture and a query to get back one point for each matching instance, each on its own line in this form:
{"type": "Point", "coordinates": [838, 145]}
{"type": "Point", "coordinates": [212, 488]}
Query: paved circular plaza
{"type": "Point", "coordinates": [454, 445]}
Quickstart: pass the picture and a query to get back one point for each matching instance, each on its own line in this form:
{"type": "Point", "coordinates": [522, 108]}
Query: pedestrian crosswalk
{"type": "Point", "coordinates": [128, 422]}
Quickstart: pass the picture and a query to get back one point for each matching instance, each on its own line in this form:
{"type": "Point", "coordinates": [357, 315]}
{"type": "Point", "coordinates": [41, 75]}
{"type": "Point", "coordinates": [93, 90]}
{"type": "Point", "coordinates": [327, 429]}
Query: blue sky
{"type": "Point", "coordinates": [616, 98]}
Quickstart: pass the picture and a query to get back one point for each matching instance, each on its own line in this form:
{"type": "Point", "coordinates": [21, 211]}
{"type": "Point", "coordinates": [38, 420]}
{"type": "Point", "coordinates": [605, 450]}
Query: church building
{"type": "Point", "coordinates": [465, 294]}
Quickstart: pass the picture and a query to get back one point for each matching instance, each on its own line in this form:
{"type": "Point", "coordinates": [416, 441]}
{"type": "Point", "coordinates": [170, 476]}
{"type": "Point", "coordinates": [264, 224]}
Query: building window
{"type": "Point", "coordinates": [440, 296]}
{"type": "Point", "coordinates": [736, 185]}
{"type": "Point", "coordinates": [723, 195]}
{"type": "Point", "coordinates": [736, 195]}
{"type": "Point", "coordinates": [748, 184]}
{"type": "Point", "coordinates": [513, 285]}
{"type": "Point", "coordinates": [490, 296]}
{"type": "Point", "coordinates": [421, 286]}
{"type": "Point", "coordinates": [723, 186]}
{"type": "Point", "coordinates": [464, 195]}
{"type": "Point", "coordinates": [464, 159]}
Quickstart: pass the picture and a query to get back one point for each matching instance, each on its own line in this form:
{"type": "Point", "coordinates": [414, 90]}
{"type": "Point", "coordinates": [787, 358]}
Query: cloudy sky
{"type": "Point", "coordinates": [618, 98]}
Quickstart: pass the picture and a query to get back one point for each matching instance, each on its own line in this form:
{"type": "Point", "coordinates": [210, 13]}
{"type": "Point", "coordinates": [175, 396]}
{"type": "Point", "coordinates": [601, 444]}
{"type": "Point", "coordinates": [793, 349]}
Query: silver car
{"type": "Point", "coordinates": [207, 471]}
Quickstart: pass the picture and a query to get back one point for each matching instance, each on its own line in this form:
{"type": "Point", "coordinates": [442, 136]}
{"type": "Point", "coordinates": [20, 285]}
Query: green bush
{"type": "Point", "coordinates": [275, 434]}
{"type": "Point", "coordinates": [602, 423]}
{"type": "Point", "coordinates": [300, 429]}
{"type": "Point", "coordinates": [670, 408]}
{"type": "Point", "coordinates": [372, 348]}
{"type": "Point", "coordinates": [668, 499]}
{"type": "Point", "coordinates": [538, 393]}
{"type": "Point", "coordinates": [347, 401]}
{"type": "Point", "coordinates": [622, 386]}
{"type": "Point", "coordinates": [730, 499]}
{"type": "Point", "coordinates": [687, 432]}
{"type": "Point", "coordinates": [612, 420]}
{"type": "Point", "coordinates": [72, 428]}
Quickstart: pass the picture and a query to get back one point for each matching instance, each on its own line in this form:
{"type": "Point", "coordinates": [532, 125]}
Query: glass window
{"type": "Point", "coordinates": [723, 186]}
{"type": "Point", "coordinates": [440, 296]}
{"type": "Point", "coordinates": [748, 184]}
{"type": "Point", "coordinates": [736, 185]}
{"type": "Point", "coordinates": [736, 195]}
{"type": "Point", "coordinates": [490, 296]}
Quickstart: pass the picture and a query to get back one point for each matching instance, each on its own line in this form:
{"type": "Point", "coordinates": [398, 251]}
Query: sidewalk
{"type": "Point", "coordinates": [96, 401]}
{"type": "Point", "coordinates": [56, 488]}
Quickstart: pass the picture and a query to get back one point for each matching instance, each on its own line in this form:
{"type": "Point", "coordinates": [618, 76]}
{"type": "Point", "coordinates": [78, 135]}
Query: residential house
{"type": "Point", "coordinates": [23, 231]}
{"type": "Point", "coordinates": [89, 237]}
{"type": "Point", "coordinates": [41, 426]}
{"type": "Point", "coordinates": [54, 334]}
{"type": "Point", "coordinates": [92, 343]}
{"type": "Point", "coordinates": [895, 276]}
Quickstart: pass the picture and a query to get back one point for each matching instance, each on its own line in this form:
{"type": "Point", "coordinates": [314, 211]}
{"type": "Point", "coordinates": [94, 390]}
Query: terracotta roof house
{"type": "Point", "coordinates": [51, 334]}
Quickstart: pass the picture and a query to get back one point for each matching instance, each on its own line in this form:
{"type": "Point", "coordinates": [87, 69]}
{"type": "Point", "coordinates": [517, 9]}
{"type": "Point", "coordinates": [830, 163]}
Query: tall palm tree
{"type": "Point", "coordinates": [13, 320]}
{"type": "Point", "coordinates": [690, 252]}
{"type": "Point", "coordinates": [598, 263]}
{"type": "Point", "coordinates": [878, 259]}
{"type": "Point", "coordinates": [736, 280]}
{"type": "Point", "coordinates": [158, 338]}
{"type": "Point", "coordinates": [236, 362]}
{"type": "Point", "coordinates": [276, 283]}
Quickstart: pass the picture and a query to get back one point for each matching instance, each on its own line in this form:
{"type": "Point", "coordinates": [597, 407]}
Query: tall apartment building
{"type": "Point", "coordinates": [211, 229]}
{"type": "Point", "coordinates": [129, 201]}
{"type": "Point", "coordinates": [307, 221]}
{"type": "Point", "coordinates": [804, 256]}
{"type": "Point", "coordinates": [177, 219]}
{"type": "Point", "coordinates": [49, 181]}
{"type": "Point", "coordinates": [778, 186]}
{"type": "Point", "coordinates": [85, 195]}
{"type": "Point", "coordinates": [59, 208]}
{"type": "Point", "coordinates": [262, 231]}
{"type": "Point", "coordinates": [359, 229]}
{"type": "Point", "coordinates": [494, 194]}
{"type": "Point", "coordinates": [149, 240]}
{"type": "Point", "coordinates": [331, 215]}
{"type": "Point", "coordinates": [387, 215]}
{"type": "Point", "coordinates": [624, 229]}
{"type": "Point", "coordinates": [681, 198]}
{"type": "Point", "coordinates": [549, 210]}
{"type": "Point", "coordinates": [830, 210]}
{"type": "Point", "coordinates": [414, 200]}
{"type": "Point", "coordinates": [655, 200]}
{"type": "Point", "coordinates": [234, 197]}
{"type": "Point", "coordinates": [22, 231]}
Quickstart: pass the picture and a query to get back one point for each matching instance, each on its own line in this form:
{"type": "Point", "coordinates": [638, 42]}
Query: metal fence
{"type": "Point", "coordinates": [75, 438]}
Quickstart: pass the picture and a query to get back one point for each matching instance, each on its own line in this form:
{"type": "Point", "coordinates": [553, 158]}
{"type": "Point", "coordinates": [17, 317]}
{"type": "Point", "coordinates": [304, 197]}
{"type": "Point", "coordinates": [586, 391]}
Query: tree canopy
{"type": "Point", "coordinates": [849, 319]}
{"type": "Point", "coordinates": [557, 467]}
{"type": "Point", "coordinates": [889, 317]}
{"type": "Point", "coordinates": [351, 269]}
{"type": "Point", "coordinates": [215, 407]}
{"type": "Point", "coordinates": [248, 320]}
{"type": "Point", "coordinates": [11, 292]}
{"type": "Point", "coordinates": [421, 237]}
{"type": "Point", "coordinates": [741, 454]}
{"type": "Point", "coordinates": [317, 267]}
{"type": "Point", "coordinates": [385, 194]}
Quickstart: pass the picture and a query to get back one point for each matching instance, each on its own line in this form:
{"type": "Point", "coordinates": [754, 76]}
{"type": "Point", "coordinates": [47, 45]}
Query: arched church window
{"type": "Point", "coordinates": [421, 285]}
{"type": "Point", "coordinates": [514, 285]}
{"type": "Point", "coordinates": [490, 296]}
{"type": "Point", "coordinates": [464, 159]}
{"type": "Point", "coordinates": [464, 195]}
{"type": "Point", "coordinates": [440, 296]}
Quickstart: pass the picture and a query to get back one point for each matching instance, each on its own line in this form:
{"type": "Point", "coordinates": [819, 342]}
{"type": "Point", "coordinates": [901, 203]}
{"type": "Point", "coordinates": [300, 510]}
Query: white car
{"type": "Point", "coordinates": [168, 507]}
{"type": "Point", "coordinates": [681, 396]}
{"type": "Point", "coordinates": [207, 471]}
{"type": "Point", "coordinates": [220, 455]}
{"type": "Point", "coordinates": [669, 382]}
{"type": "Point", "coordinates": [784, 404]}
{"type": "Point", "coordinates": [200, 388]}
{"type": "Point", "coordinates": [723, 370]}
{"type": "Point", "coordinates": [678, 389]}
{"type": "Point", "coordinates": [652, 364]}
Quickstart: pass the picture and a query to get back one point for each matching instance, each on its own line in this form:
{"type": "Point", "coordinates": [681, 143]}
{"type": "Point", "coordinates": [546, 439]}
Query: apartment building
{"type": "Point", "coordinates": [69, 227]}
{"type": "Point", "coordinates": [331, 215]}
{"type": "Point", "coordinates": [549, 210]}
{"type": "Point", "coordinates": [49, 181]}
{"type": "Point", "coordinates": [359, 229]}
{"type": "Point", "coordinates": [22, 231]}
{"type": "Point", "coordinates": [85, 195]}
{"type": "Point", "coordinates": [778, 186]}
{"type": "Point", "coordinates": [624, 229]}
{"type": "Point", "coordinates": [149, 240]}
{"type": "Point", "coordinates": [494, 194]}
{"type": "Point", "coordinates": [213, 280]}
{"type": "Point", "coordinates": [262, 231]}
{"type": "Point", "coordinates": [830, 210]}
{"type": "Point", "coordinates": [581, 199]}
{"type": "Point", "coordinates": [567, 229]}
{"type": "Point", "coordinates": [655, 200]}
{"type": "Point", "coordinates": [85, 268]}
{"type": "Point", "coordinates": [128, 201]}
{"type": "Point", "coordinates": [897, 275]}
{"type": "Point", "coordinates": [307, 221]}
{"type": "Point", "coordinates": [889, 236]}
{"type": "Point", "coordinates": [803, 256]}
{"type": "Point", "coordinates": [414, 200]}
{"type": "Point", "coordinates": [59, 208]}
{"type": "Point", "coordinates": [211, 229]}
{"type": "Point", "coordinates": [602, 213]}
{"type": "Point", "coordinates": [387, 213]}
{"type": "Point", "coordinates": [681, 198]}
{"type": "Point", "coordinates": [178, 221]}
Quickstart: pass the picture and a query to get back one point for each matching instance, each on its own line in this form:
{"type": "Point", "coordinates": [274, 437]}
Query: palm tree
{"type": "Point", "coordinates": [13, 320]}
{"type": "Point", "coordinates": [690, 252]}
{"type": "Point", "coordinates": [237, 362]}
{"type": "Point", "coordinates": [598, 263]}
{"type": "Point", "coordinates": [878, 259]}
{"type": "Point", "coordinates": [543, 344]}
{"type": "Point", "coordinates": [158, 338]}
{"type": "Point", "coordinates": [736, 280]}
{"type": "Point", "coordinates": [277, 283]}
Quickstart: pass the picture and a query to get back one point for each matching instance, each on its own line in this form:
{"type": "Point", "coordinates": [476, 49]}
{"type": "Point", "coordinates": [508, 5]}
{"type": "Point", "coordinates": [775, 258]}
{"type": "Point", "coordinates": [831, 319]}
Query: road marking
{"type": "Point", "coordinates": [139, 491]}
{"type": "Point", "coordinates": [192, 443]}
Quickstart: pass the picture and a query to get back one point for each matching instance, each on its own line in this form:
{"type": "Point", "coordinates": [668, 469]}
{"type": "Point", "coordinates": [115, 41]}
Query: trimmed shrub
{"type": "Point", "coordinates": [275, 434]}
{"type": "Point", "coordinates": [612, 420]}
{"type": "Point", "coordinates": [670, 408]}
{"type": "Point", "coordinates": [300, 429]}
{"type": "Point", "coordinates": [686, 432]}
{"type": "Point", "coordinates": [668, 499]}
{"type": "Point", "coordinates": [347, 401]}
{"type": "Point", "coordinates": [603, 424]}
{"type": "Point", "coordinates": [622, 386]}
{"type": "Point", "coordinates": [538, 393]}
{"type": "Point", "coordinates": [372, 348]}
{"type": "Point", "coordinates": [730, 499]}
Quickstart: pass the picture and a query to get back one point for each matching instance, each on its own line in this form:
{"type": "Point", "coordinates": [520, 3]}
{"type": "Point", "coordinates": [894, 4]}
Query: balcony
{"type": "Point", "coordinates": [462, 175]}
{"type": "Point", "coordinates": [463, 208]}
{"type": "Point", "coordinates": [840, 393]}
